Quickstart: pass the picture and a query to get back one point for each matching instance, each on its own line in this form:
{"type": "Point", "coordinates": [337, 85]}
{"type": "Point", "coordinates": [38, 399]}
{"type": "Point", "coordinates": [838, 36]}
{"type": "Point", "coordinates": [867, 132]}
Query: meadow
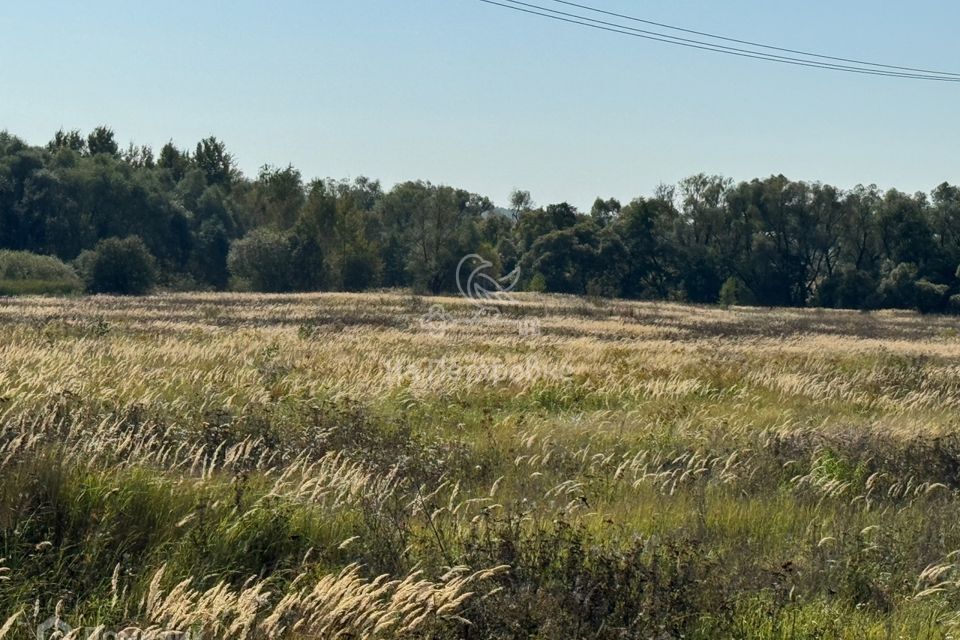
{"type": "Point", "coordinates": [383, 465]}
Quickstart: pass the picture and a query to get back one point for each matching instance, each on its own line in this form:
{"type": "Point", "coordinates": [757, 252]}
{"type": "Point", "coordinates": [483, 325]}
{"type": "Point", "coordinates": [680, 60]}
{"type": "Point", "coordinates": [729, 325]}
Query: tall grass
{"type": "Point", "coordinates": [331, 466]}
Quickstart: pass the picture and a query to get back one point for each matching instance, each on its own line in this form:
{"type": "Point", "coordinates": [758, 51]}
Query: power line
{"type": "Point", "coordinates": [725, 49]}
{"type": "Point", "coordinates": [750, 43]}
{"type": "Point", "coordinates": [921, 75]}
{"type": "Point", "coordinates": [706, 46]}
{"type": "Point", "coordinates": [593, 23]}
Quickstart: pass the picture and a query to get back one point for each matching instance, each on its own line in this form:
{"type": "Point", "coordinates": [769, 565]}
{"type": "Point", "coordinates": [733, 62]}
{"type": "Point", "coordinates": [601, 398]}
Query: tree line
{"type": "Point", "coordinates": [127, 219]}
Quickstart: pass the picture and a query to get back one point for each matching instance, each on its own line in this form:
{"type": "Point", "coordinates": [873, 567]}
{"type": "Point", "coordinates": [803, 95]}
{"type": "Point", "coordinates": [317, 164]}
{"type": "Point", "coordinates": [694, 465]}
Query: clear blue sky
{"type": "Point", "coordinates": [462, 93]}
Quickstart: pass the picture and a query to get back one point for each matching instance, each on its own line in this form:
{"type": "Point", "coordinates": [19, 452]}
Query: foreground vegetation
{"type": "Point", "coordinates": [363, 466]}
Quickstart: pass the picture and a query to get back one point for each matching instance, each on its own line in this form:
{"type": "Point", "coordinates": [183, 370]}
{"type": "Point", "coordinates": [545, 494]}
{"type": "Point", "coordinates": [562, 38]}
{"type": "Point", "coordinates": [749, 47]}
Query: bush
{"type": "Point", "coordinates": [538, 284]}
{"type": "Point", "coordinates": [849, 289]}
{"type": "Point", "coordinates": [954, 303]}
{"type": "Point", "coordinates": [25, 273]}
{"type": "Point", "coordinates": [931, 297]}
{"type": "Point", "coordinates": [736, 292]}
{"type": "Point", "coordinates": [603, 287]}
{"type": "Point", "coordinates": [261, 261]}
{"type": "Point", "coordinates": [902, 289]}
{"type": "Point", "coordinates": [273, 262]}
{"type": "Point", "coordinates": [360, 269]}
{"type": "Point", "coordinates": [122, 267]}
{"type": "Point", "coordinates": [39, 287]}
{"type": "Point", "coordinates": [898, 288]}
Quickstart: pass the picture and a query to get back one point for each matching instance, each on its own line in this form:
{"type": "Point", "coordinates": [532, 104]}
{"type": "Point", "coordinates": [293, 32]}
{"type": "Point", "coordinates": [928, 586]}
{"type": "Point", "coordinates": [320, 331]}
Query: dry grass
{"type": "Point", "coordinates": [330, 465]}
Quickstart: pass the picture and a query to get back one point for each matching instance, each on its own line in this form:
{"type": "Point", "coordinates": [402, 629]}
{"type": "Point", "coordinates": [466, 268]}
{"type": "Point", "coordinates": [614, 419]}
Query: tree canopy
{"type": "Point", "coordinates": [199, 223]}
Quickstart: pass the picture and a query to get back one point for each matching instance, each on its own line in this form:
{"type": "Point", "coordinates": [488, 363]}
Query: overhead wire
{"type": "Point", "coordinates": [751, 43]}
{"type": "Point", "coordinates": [562, 16]}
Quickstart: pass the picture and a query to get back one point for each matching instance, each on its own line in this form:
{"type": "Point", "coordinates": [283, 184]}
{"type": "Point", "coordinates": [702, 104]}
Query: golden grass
{"type": "Point", "coordinates": [795, 430]}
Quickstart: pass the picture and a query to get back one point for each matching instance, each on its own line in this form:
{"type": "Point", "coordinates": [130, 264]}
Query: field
{"type": "Point", "coordinates": [389, 466]}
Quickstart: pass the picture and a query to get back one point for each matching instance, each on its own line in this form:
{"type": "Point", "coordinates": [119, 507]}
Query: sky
{"type": "Point", "coordinates": [463, 93]}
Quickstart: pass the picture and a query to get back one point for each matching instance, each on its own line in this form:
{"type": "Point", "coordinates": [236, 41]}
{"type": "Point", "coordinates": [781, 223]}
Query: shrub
{"type": "Point", "coordinates": [123, 267]}
{"type": "Point", "coordinates": [603, 287]}
{"type": "Point", "coordinates": [899, 287]}
{"type": "Point", "coordinates": [736, 292]}
{"type": "Point", "coordinates": [261, 261]}
{"type": "Point", "coordinates": [954, 303]}
{"type": "Point", "coordinates": [848, 289]}
{"type": "Point", "coordinates": [538, 284]}
{"type": "Point", "coordinates": [360, 269]}
{"type": "Point", "coordinates": [39, 287]}
{"type": "Point", "coordinates": [930, 296]}
{"type": "Point", "coordinates": [25, 273]}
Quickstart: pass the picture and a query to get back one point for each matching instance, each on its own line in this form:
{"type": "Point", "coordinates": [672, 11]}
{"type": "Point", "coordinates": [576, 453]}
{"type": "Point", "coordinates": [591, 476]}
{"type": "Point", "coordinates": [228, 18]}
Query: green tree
{"type": "Point", "coordinates": [904, 229]}
{"type": "Point", "coordinates": [118, 266]}
{"type": "Point", "coordinates": [645, 227]}
{"type": "Point", "coordinates": [212, 158]}
{"type": "Point", "coordinates": [174, 161]}
{"type": "Point", "coordinates": [736, 292]}
{"type": "Point", "coordinates": [898, 287]}
{"type": "Point", "coordinates": [275, 199]}
{"type": "Point", "coordinates": [261, 261]}
{"type": "Point", "coordinates": [70, 140]}
{"type": "Point", "coordinates": [605, 212]}
{"type": "Point", "coordinates": [571, 260]}
{"type": "Point", "coordinates": [931, 297]}
{"type": "Point", "coordinates": [101, 140]}
{"type": "Point", "coordinates": [520, 202]}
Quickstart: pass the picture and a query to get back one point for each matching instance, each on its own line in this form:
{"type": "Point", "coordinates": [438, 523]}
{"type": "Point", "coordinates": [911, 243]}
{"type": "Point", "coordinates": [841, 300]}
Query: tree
{"type": "Point", "coordinates": [847, 288]}
{"type": "Point", "coordinates": [359, 267]}
{"type": "Point", "coordinates": [859, 240]}
{"type": "Point", "coordinates": [70, 140]}
{"type": "Point", "coordinates": [736, 292]}
{"type": "Point", "coordinates": [208, 260]}
{"type": "Point", "coordinates": [309, 271]}
{"type": "Point", "coordinates": [435, 249]}
{"type": "Point", "coordinates": [212, 159]}
{"type": "Point", "coordinates": [931, 297]}
{"type": "Point", "coordinates": [899, 286]}
{"type": "Point", "coordinates": [644, 226]}
{"type": "Point", "coordinates": [261, 260]}
{"type": "Point", "coordinates": [573, 259]}
{"type": "Point", "coordinates": [520, 203]}
{"type": "Point", "coordinates": [123, 267]}
{"type": "Point", "coordinates": [101, 140]}
{"type": "Point", "coordinates": [175, 161]}
{"type": "Point", "coordinates": [140, 157]}
{"type": "Point", "coordinates": [536, 223]}
{"type": "Point", "coordinates": [786, 242]}
{"type": "Point", "coordinates": [904, 228]}
{"type": "Point", "coordinates": [945, 224]}
{"type": "Point", "coordinates": [605, 212]}
{"type": "Point", "coordinates": [276, 198]}
{"type": "Point", "coordinates": [436, 226]}
{"type": "Point", "coordinates": [709, 238]}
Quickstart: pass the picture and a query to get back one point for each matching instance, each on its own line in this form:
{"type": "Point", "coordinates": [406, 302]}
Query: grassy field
{"type": "Point", "coordinates": [387, 466]}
